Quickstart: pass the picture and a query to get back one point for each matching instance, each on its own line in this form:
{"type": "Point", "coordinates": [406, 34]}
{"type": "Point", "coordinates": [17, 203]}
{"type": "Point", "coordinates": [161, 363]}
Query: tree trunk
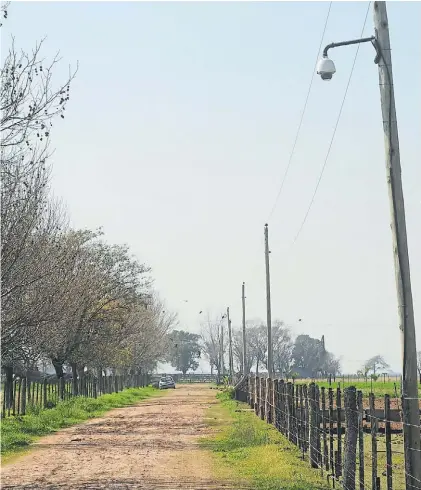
{"type": "Point", "coordinates": [58, 366]}
{"type": "Point", "coordinates": [74, 380]}
{"type": "Point", "coordinates": [8, 392]}
{"type": "Point", "coordinates": [257, 368]}
{"type": "Point", "coordinates": [100, 380]}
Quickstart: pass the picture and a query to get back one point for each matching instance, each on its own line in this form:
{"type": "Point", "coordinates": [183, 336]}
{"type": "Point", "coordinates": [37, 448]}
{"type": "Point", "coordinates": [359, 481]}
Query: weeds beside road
{"type": "Point", "coordinates": [247, 448]}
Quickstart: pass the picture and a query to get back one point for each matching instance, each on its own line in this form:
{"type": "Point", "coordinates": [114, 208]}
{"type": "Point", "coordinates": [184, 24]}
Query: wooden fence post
{"type": "Point", "coordinates": [388, 442]}
{"type": "Point", "coordinates": [19, 396]}
{"type": "Point", "coordinates": [374, 430]}
{"type": "Point", "coordinates": [262, 399]}
{"type": "Point", "coordinates": [324, 429]}
{"type": "Point", "coordinates": [281, 406]}
{"type": "Point", "coordinates": [14, 397]}
{"type": "Point", "coordinates": [61, 388]}
{"type": "Point", "coordinates": [318, 442]}
{"type": "Point", "coordinates": [276, 403]}
{"type": "Point", "coordinates": [44, 392]}
{"type": "Point", "coordinates": [256, 394]}
{"type": "Point", "coordinates": [268, 393]}
{"type": "Point", "coordinates": [251, 391]}
{"type": "Point", "coordinates": [313, 426]}
{"type": "Point", "coordinates": [23, 402]}
{"type": "Point", "coordinates": [300, 416]}
{"type": "Point", "coordinates": [331, 450]}
{"type": "Point", "coordinates": [339, 426]}
{"type": "Point", "coordinates": [306, 418]}
{"type": "Point", "coordinates": [360, 439]}
{"type": "Point", "coordinates": [294, 425]}
{"type": "Point", "coordinates": [351, 435]}
{"type": "Point", "coordinates": [29, 386]}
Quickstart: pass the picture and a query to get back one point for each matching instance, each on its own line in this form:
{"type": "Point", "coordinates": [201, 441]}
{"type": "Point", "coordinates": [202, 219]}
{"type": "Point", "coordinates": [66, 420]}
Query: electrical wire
{"type": "Point", "coordinates": [302, 116]}
{"type": "Point", "coordinates": [334, 132]}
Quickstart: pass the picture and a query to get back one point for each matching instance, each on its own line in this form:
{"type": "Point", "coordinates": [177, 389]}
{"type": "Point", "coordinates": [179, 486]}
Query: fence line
{"type": "Point", "coordinates": [23, 395]}
{"type": "Point", "coordinates": [349, 439]}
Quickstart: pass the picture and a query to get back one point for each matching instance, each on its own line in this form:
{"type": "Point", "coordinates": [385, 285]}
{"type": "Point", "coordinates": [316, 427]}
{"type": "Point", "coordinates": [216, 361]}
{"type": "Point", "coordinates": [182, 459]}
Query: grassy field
{"type": "Point", "coordinates": [255, 452]}
{"type": "Point", "coordinates": [17, 433]}
{"type": "Point", "coordinates": [379, 388]}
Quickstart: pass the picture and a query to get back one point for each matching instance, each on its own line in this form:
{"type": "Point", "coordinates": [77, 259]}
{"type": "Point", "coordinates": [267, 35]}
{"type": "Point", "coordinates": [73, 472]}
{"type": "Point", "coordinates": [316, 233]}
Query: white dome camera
{"type": "Point", "coordinates": [326, 68]}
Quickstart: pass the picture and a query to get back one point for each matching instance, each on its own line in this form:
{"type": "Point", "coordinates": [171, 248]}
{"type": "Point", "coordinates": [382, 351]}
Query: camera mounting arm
{"type": "Point", "coordinates": [371, 39]}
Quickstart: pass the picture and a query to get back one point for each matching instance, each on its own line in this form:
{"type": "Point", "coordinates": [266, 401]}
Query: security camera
{"type": "Point", "coordinates": [326, 68]}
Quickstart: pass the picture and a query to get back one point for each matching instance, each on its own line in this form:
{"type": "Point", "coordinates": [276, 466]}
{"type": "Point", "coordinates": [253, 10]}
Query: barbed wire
{"type": "Point", "coordinates": [297, 427]}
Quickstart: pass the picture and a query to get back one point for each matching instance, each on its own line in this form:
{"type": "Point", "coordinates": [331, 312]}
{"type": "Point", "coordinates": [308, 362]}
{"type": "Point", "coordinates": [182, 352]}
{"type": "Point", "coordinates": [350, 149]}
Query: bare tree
{"type": "Point", "coordinates": [237, 348]}
{"type": "Point", "coordinates": [30, 220]}
{"type": "Point", "coordinates": [374, 364]}
{"type": "Point", "coordinates": [211, 342]}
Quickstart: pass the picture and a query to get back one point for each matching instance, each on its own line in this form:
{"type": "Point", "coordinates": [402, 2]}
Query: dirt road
{"type": "Point", "coordinates": [153, 445]}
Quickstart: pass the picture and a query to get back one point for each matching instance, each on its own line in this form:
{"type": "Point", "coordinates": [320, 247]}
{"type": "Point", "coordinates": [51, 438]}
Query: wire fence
{"type": "Point", "coordinates": [355, 441]}
{"type": "Point", "coordinates": [23, 395]}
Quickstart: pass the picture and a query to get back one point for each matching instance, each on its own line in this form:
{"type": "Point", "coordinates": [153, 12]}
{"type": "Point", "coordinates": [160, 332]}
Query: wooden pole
{"type": "Point", "coordinates": [351, 436]}
{"type": "Point", "coordinates": [268, 304]}
{"type": "Point", "coordinates": [360, 439]}
{"type": "Point", "coordinates": [388, 432]}
{"type": "Point", "coordinates": [374, 429]}
{"type": "Point", "coordinates": [245, 370]}
{"type": "Point", "coordinates": [230, 353]}
{"type": "Point", "coordinates": [411, 420]}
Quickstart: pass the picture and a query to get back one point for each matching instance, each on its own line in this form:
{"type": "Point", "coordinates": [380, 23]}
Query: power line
{"type": "Point", "coordinates": [334, 131]}
{"type": "Point", "coordinates": [302, 116]}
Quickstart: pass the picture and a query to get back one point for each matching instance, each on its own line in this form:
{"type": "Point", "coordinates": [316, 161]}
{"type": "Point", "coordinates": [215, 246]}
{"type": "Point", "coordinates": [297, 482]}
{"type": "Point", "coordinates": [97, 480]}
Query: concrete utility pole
{"type": "Point", "coordinates": [411, 418]}
{"type": "Point", "coordinates": [268, 305]}
{"type": "Point", "coordinates": [231, 360]}
{"type": "Point", "coordinates": [244, 331]}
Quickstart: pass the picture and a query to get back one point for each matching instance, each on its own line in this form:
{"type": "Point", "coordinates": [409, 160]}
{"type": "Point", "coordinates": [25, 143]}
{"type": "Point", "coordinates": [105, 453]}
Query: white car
{"type": "Point", "coordinates": [166, 382]}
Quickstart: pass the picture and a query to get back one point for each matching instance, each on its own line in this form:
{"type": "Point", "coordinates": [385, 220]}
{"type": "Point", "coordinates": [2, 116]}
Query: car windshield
{"type": "Point", "coordinates": [167, 379]}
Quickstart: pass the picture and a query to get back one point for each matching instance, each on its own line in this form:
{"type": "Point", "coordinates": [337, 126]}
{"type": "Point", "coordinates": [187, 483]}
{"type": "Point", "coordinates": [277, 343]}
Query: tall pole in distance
{"type": "Point", "coordinates": [221, 351]}
{"type": "Point", "coordinates": [411, 418]}
{"type": "Point", "coordinates": [244, 331]}
{"type": "Point", "coordinates": [231, 361]}
{"type": "Point", "coordinates": [268, 305]}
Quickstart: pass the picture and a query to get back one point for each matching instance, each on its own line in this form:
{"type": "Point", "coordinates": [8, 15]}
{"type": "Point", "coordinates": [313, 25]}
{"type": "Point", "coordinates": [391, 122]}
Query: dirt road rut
{"type": "Point", "coordinates": [153, 445]}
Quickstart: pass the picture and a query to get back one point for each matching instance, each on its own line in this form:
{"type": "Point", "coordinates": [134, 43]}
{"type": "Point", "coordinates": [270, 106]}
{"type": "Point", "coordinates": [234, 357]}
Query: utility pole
{"type": "Point", "coordinates": [221, 352]}
{"type": "Point", "coordinates": [411, 418]}
{"type": "Point", "coordinates": [244, 331]}
{"type": "Point", "coordinates": [231, 360]}
{"type": "Point", "coordinates": [268, 305]}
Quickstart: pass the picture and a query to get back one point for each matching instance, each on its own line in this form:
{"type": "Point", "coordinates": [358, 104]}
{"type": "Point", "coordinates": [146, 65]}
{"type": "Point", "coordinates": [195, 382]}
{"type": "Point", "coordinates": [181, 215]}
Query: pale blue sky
{"type": "Point", "coordinates": [179, 129]}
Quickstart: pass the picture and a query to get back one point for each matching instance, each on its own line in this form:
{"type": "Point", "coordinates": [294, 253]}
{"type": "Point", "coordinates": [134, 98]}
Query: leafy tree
{"type": "Point", "coordinates": [257, 342]}
{"type": "Point", "coordinates": [282, 348]}
{"type": "Point", "coordinates": [308, 354]}
{"type": "Point", "coordinates": [184, 350]}
{"type": "Point", "coordinates": [374, 364]}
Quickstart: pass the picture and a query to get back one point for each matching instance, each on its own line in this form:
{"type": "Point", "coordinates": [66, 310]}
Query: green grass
{"type": "Point", "coordinates": [253, 451]}
{"type": "Point", "coordinates": [17, 433]}
{"type": "Point", "coordinates": [379, 387]}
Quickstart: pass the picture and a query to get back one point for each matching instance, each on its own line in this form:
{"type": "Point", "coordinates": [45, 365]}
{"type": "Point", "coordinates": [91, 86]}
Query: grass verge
{"type": "Point", "coordinates": [247, 448]}
{"type": "Point", "coordinates": [17, 433]}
